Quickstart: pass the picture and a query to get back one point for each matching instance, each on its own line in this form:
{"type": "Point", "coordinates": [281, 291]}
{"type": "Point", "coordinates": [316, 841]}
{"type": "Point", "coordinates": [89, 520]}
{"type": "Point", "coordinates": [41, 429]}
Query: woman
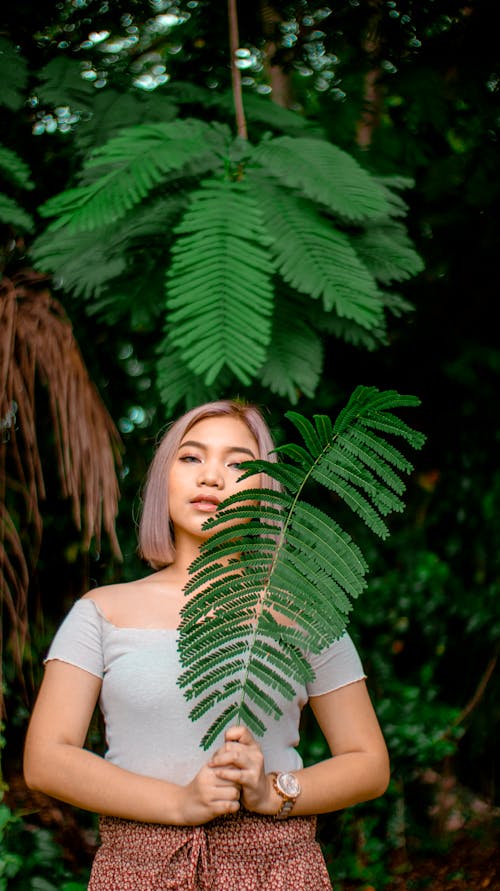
{"type": "Point", "coordinates": [171, 815]}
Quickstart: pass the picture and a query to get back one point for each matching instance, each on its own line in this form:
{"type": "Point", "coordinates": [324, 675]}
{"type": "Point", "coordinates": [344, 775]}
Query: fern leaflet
{"type": "Point", "coordinates": [324, 173]}
{"type": "Point", "coordinates": [128, 167]}
{"type": "Point", "coordinates": [219, 290]}
{"type": "Point", "coordinates": [317, 258]}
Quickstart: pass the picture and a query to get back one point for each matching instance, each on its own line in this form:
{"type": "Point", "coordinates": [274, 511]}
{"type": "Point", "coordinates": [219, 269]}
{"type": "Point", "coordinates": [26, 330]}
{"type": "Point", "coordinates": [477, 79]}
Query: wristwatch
{"type": "Point", "coordinates": [288, 788]}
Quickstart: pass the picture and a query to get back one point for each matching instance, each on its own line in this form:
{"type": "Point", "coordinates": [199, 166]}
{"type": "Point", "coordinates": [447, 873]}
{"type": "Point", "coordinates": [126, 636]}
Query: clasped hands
{"type": "Point", "coordinates": [234, 777]}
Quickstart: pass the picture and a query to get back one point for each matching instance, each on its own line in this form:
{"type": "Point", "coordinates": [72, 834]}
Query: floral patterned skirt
{"type": "Point", "coordinates": [242, 852]}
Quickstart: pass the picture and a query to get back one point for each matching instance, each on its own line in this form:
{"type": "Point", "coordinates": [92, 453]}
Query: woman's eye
{"type": "Point", "coordinates": [188, 459]}
{"type": "Point", "coordinates": [235, 464]}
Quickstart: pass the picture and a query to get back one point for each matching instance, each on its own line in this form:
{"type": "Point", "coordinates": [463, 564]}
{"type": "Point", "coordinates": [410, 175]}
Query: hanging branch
{"type": "Point", "coordinates": [37, 344]}
{"type": "Point", "coordinates": [241, 124]}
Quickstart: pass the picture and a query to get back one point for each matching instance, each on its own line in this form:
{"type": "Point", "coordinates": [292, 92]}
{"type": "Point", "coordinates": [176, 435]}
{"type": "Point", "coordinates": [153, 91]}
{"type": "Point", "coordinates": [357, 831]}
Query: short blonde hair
{"type": "Point", "coordinates": [156, 541]}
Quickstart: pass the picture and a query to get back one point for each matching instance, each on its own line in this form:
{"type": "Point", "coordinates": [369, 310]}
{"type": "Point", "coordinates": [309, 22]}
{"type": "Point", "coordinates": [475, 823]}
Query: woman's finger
{"type": "Point", "coordinates": [239, 734]}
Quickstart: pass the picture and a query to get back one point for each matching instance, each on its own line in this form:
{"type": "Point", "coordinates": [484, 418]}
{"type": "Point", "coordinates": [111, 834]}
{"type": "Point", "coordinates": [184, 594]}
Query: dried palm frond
{"type": "Point", "coordinates": [37, 345]}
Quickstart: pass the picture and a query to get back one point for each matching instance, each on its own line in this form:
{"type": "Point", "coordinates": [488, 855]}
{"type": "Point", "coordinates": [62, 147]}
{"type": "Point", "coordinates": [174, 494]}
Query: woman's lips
{"type": "Point", "coordinates": [206, 505]}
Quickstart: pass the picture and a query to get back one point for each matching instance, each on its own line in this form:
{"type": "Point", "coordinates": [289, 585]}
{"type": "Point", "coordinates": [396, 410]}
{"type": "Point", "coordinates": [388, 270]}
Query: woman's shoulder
{"type": "Point", "coordinates": [107, 594]}
{"type": "Point", "coordinates": [136, 604]}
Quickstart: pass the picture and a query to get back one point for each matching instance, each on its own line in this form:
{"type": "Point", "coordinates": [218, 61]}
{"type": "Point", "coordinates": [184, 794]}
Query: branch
{"type": "Point", "coordinates": [478, 693]}
{"type": "Point", "coordinates": [241, 124]}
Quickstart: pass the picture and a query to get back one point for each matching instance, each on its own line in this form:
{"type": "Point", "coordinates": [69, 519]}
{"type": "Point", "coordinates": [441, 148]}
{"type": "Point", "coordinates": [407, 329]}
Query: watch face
{"type": "Point", "coordinates": [289, 784]}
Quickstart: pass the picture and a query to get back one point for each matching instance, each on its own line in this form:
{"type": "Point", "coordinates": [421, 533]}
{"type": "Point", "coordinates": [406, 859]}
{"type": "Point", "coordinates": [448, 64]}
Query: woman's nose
{"type": "Point", "coordinates": [210, 476]}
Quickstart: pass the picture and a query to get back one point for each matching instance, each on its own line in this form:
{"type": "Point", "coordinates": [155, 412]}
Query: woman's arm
{"type": "Point", "coordinates": [357, 771]}
{"type": "Point", "coordinates": [56, 763]}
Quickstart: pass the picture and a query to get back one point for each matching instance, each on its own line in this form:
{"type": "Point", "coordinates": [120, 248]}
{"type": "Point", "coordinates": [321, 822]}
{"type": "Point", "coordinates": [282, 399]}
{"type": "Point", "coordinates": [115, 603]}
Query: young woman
{"type": "Point", "coordinates": [172, 816]}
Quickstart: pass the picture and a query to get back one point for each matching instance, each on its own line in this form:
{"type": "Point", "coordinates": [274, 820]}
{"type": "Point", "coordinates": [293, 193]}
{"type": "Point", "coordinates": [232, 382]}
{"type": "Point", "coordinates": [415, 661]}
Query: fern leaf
{"type": "Point", "coordinates": [14, 169]}
{"type": "Point", "coordinates": [112, 112]}
{"type": "Point", "coordinates": [326, 174]}
{"type": "Point", "coordinates": [219, 290]}
{"type": "Point", "coordinates": [292, 573]}
{"type": "Point", "coordinates": [388, 253]}
{"type": "Point", "coordinates": [100, 266]}
{"type": "Point", "coordinates": [128, 167]}
{"type": "Point", "coordinates": [263, 110]}
{"type": "Point", "coordinates": [13, 76]}
{"type": "Point", "coordinates": [350, 332]}
{"type": "Point", "coordinates": [316, 258]}
{"type": "Point", "coordinates": [226, 717]}
{"type": "Point", "coordinates": [214, 698]}
{"type": "Point", "coordinates": [177, 383]}
{"type": "Point", "coordinates": [61, 83]}
{"type": "Point", "coordinates": [391, 185]}
{"type": "Point", "coordinates": [14, 215]}
{"type": "Point", "coordinates": [81, 263]}
{"type": "Point", "coordinates": [295, 359]}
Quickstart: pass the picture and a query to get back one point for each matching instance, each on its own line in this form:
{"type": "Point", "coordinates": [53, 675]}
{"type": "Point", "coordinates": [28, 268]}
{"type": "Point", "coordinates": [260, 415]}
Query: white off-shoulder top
{"type": "Point", "coordinates": [148, 728]}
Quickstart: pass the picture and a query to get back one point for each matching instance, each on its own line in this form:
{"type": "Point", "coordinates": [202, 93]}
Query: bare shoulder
{"type": "Point", "coordinates": [109, 598]}
{"type": "Point", "coordinates": [147, 602]}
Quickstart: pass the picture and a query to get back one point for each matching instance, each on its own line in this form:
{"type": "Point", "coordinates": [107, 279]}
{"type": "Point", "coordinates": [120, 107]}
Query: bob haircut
{"type": "Point", "coordinates": [156, 540]}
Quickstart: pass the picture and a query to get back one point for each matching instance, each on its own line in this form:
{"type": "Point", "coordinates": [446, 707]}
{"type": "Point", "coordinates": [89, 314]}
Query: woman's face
{"type": "Point", "coordinates": [205, 471]}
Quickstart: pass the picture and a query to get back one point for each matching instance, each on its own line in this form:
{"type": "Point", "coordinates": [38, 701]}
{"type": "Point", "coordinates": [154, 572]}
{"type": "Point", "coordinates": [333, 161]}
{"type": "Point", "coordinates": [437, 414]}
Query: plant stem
{"type": "Point", "coordinates": [241, 124]}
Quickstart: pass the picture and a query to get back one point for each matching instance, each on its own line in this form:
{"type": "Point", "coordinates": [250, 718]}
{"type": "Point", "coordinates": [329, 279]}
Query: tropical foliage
{"type": "Point", "coordinates": [242, 216]}
{"type": "Point", "coordinates": [402, 88]}
{"type": "Point", "coordinates": [278, 575]}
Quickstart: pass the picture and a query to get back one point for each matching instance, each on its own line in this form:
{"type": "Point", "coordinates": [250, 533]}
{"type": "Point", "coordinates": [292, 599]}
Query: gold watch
{"type": "Point", "coordinates": [288, 788]}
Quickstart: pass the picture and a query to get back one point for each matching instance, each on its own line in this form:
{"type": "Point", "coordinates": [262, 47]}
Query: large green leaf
{"type": "Point", "coordinates": [126, 169]}
{"type": "Point", "coordinates": [87, 263]}
{"type": "Point", "coordinates": [295, 357]}
{"type": "Point", "coordinates": [219, 290]}
{"type": "Point", "coordinates": [14, 169]}
{"type": "Point", "coordinates": [318, 259]}
{"type": "Point", "coordinates": [177, 383]}
{"type": "Point", "coordinates": [13, 76]}
{"type": "Point", "coordinates": [324, 173]}
{"type": "Point", "coordinates": [277, 577]}
{"type": "Point", "coordinates": [387, 252]}
{"type": "Point", "coordinates": [13, 214]}
{"type": "Point", "coordinates": [61, 83]}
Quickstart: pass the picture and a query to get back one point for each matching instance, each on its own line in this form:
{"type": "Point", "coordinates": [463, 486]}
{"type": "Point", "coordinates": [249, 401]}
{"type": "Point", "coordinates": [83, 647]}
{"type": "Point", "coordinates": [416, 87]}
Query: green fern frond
{"type": "Point", "coordinates": [128, 167]}
{"type": "Point", "coordinates": [61, 83]}
{"type": "Point", "coordinates": [14, 215]}
{"type": "Point", "coordinates": [13, 76]}
{"type": "Point", "coordinates": [86, 263]}
{"type": "Point", "coordinates": [177, 383]}
{"type": "Point", "coordinates": [260, 109]}
{"type": "Point", "coordinates": [350, 332]}
{"type": "Point", "coordinates": [295, 360]}
{"type": "Point", "coordinates": [277, 577]}
{"type": "Point", "coordinates": [391, 185]}
{"type": "Point", "coordinates": [388, 253]}
{"type": "Point", "coordinates": [14, 169]}
{"type": "Point", "coordinates": [81, 263]}
{"type": "Point", "coordinates": [219, 290]}
{"type": "Point", "coordinates": [263, 110]}
{"type": "Point", "coordinates": [326, 174]}
{"type": "Point", "coordinates": [396, 303]}
{"type": "Point", "coordinates": [112, 112]}
{"type": "Point", "coordinates": [316, 258]}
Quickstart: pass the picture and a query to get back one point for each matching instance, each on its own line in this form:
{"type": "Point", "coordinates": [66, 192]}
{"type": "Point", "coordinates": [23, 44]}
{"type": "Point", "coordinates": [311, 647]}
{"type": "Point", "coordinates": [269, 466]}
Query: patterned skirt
{"type": "Point", "coordinates": [242, 852]}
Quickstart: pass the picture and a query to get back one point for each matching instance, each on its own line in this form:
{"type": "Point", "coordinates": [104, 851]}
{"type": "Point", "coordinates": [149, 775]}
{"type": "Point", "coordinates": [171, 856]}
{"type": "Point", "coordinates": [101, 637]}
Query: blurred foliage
{"type": "Point", "coordinates": [30, 858]}
{"type": "Point", "coordinates": [407, 88]}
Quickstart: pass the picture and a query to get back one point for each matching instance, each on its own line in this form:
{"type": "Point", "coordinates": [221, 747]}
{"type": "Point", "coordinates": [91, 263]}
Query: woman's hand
{"type": "Point", "coordinates": [207, 796]}
{"type": "Point", "coordinates": [241, 761]}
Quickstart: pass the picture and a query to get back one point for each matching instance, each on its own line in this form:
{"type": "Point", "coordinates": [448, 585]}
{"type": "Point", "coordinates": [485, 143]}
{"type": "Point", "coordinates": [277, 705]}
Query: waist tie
{"type": "Point", "coordinates": [199, 872]}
